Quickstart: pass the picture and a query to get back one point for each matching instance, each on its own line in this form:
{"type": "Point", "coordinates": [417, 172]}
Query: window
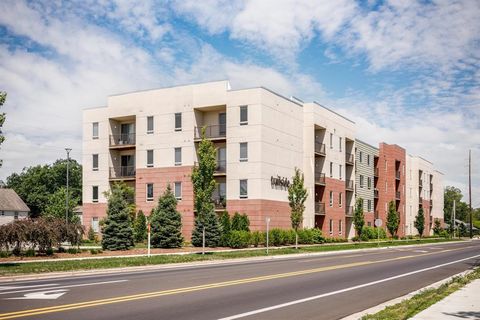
{"type": "Point", "coordinates": [331, 199]}
{"type": "Point", "coordinates": [94, 193]}
{"type": "Point", "coordinates": [369, 223]}
{"type": "Point", "coordinates": [330, 226]}
{"type": "Point", "coordinates": [178, 121]}
{"type": "Point", "coordinates": [243, 151]}
{"type": "Point", "coordinates": [361, 181]}
{"type": "Point", "coordinates": [243, 189]}
{"type": "Point", "coordinates": [360, 156]}
{"type": "Point", "coordinates": [95, 162]}
{"type": "Point", "coordinates": [178, 190]}
{"type": "Point", "coordinates": [149, 158]}
{"type": "Point", "coordinates": [369, 183]}
{"type": "Point", "coordinates": [2, 213]}
{"type": "Point", "coordinates": [340, 169]}
{"type": "Point", "coordinates": [340, 226]}
{"type": "Point", "coordinates": [149, 188]}
{"type": "Point", "coordinates": [340, 199]}
{"type": "Point", "coordinates": [386, 186]}
{"type": "Point", "coordinates": [150, 124]}
{"type": "Point", "coordinates": [368, 159]}
{"type": "Point", "coordinates": [369, 205]}
{"type": "Point", "coordinates": [95, 130]}
{"type": "Point", "coordinates": [178, 156]}
{"type": "Point", "coordinates": [243, 115]}
{"type": "Point", "coordinates": [331, 169]}
{"type": "Point", "coordinates": [95, 226]}
{"type": "Point", "coordinates": [331, 140]}
{"type": "Point", "coordinates": [15, 215]}
{"type": "Point", "coordinates": [340, 143]}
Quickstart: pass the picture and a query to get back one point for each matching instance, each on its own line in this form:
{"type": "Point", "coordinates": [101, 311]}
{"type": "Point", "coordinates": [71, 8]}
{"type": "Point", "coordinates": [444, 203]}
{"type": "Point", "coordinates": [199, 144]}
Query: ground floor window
{"type": "Point", "coordinates": [95, 226]}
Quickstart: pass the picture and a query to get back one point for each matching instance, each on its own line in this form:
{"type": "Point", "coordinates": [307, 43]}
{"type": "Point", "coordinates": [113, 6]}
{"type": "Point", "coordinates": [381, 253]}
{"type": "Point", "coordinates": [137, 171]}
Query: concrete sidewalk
{"type": "Point", "coordinates": [462, 304]}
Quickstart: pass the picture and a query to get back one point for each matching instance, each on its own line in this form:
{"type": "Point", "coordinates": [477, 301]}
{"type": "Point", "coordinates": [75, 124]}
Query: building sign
{"type": "Point", "coordinates": [278, 182]}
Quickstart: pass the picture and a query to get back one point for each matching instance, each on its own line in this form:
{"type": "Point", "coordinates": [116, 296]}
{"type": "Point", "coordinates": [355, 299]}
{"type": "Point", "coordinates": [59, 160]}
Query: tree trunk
{"type": "Point", "coordinates": [203, 239]}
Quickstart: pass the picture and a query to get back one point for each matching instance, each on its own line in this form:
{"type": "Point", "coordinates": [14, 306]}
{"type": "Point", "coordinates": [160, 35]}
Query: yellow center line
{"type": "Point", "coordinates": [72, 306]}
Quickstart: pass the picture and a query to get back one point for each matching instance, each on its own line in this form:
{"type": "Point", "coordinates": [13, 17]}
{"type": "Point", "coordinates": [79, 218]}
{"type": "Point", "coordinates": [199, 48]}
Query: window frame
{"type": "Point", "coordinates": [178, 117]}
{"type": "Point", "coordinates": [340, 200]}
{"type": "Point", "coordinates": [243, 159]}
{"type": "Point", "coordinates": [152, 130]}
{"type": "Point", "coordinates": [95, 126]}
{"type": "Point", "coordinates": [152, 153]}
{"type": "Point", "coordinates": [244, 109]}
{"type": "Point", "coordinates": [177, 163]}
{"type": "Point", "coordinates": [243, 196]}
{"type": "Point", "coordinates": [147, 198]}
{"type": "Point", "coordinates": [175, 184]}
{"type": "Point", "coordinates": [95, 156]}
{"type": "Point", "coordinates": [330, 200]}
{"type": "Point", "coordinates": [95, 189]}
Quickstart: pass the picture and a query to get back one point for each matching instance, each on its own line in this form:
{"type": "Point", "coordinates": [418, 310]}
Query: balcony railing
{"type": "Point", "coordinates": [431, 187]}
{"type": "Point", "coordinates": [217, 131]}
{"type": "Point", "coordinates": [375, 193]}
{"type": "Point", "coordinates": [420, 183]}
{"type": "Point", "coordinates": [122, 140]}
{"type": "Point", "coordinates": [220, 202]}
{"type": "Point", "coordinates": [397, 195]}
{"type": "Point", "coordinates": [375, 172]}
{"type": "Point", "coordinates": [122, 172]}
{"type": "Point", "coordinates": [349, 158]}
{"type": "Point", "coordinates": [349, 211]}
{"type": "Point", "coordinates": [397, 174]}
{"type": "Point", "coordinates": [420, 200]}
{"type": "Point", "coordinates": [221, 167]}
{"type": "Point", "coordinates": [320, 178]}
{"type": "Point", "coordinates": [349, 185]}
{"type": "Point", "coordinates": [319, 208]}
{"type": "Point", "coordinates": [319, 148]}
{"type": "Point", "coordinates": [376, 214]}
{"type": "Point", "coordinates": [431, 202]}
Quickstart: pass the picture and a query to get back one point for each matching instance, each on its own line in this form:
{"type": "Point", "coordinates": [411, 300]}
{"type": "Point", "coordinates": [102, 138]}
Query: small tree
{"type": "Point", "coordinates": [393, 219]}
{"type": "Point", "coordinates": [240, 222]}
{"type": "Point", "coordinates": [358, 217]}
{"type": "Point", "coordinates": [226, 228]}
{"type": "Point", "coordinates": [140, 227]}
{"type": "Point", "coordinates": [166, 222]}
{"type": "Point", "coordinates": [56, 206]}
{"type": "Point", "coordinates": [437, 226]}
{"type": "Point", "coordinates": [91, 234]}
{"type": "Point", "coordinates": [462, 229]}
{"type": "Point", "coordinates": [117, 230]}
{"type": "Point", "coordinates": [297, 194]}
{"type": "Point", "coordinates": [3, 96]}
{"type": "Point", "coordinates": [203, 187]}
{"type": "Point", "coordinates": [419, 223]}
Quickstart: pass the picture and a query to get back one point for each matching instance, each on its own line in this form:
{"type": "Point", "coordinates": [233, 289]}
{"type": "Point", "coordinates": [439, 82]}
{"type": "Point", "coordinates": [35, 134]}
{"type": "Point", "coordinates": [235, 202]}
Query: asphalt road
{"type": "Point", "coordinates": [312, 287]}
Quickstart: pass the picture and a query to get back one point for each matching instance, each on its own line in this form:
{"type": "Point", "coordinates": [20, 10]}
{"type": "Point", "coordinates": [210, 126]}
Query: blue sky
{"type": "Point", "coordinates": [406, 71]}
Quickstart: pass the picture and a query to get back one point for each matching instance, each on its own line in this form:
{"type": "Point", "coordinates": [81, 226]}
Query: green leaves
{"type": "Point", "coordinates": [358, 217]}
{"type": "Point", "coordinates": [420, 222]}
{"type": "Point", "coordinates": [166, 222]}
{"type": "Point", "coordinates": [297, 194]}
{"type": "Point", "coordinates": [393, 219]}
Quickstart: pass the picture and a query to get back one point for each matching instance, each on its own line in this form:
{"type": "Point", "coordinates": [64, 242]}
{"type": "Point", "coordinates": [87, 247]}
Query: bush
{"type": "Point", "coordinates": [4, 254]}
{"type": "Point", "coordinates": [73, 251]}
{"type": "Point", "coordinates": [257, 238]}
{"type": "Point", "coordinates": [278, 237]}
{"type": "Point", "coordinates": [305, 236]}
{"type": "Point", "coordinates": [239, 239]}
{"type": "Point", "coordinates": [91, 234]}
{"type": "Point", "coordinates": [226, 227]}
{"type": "Point", "coordinates": [444, 234]}
{"type": "Point", "coordinates": [61, 250]}
{"type": "Point", "coordinates": [93, 251]}
{"type": "Point", "coordinates": [240, 222]}
{"type": "Point", "coordinates": [371, 233]}
{"type": "Point", "coordinates": [30, 253]}
{"type": "Point", "coordinates": [49, 252]}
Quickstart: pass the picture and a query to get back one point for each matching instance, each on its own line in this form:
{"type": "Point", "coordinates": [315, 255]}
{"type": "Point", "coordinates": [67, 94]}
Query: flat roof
{"type": "Point", "coordinates": [368, 144]}
{"type": "Point", "coordinates": [338, 114]}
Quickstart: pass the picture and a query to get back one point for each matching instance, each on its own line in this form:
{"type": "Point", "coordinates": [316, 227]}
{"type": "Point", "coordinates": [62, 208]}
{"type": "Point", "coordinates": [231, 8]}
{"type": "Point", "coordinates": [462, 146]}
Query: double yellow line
{"type": "Point", "coordinates": [73, 306]}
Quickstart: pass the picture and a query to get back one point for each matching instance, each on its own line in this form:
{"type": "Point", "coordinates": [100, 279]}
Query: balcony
{"type": "Point", "coordinates": [420, 200]}
{"type": "Point", "coordinates": [349, 185]}
{"type": "Point", "coordinates": [420, 183]}
{"type": "Point", "coordinates": [122, 141]}
{"type": "Point", "coordinates": [319, 148]}
{"type": "Point", "coordinates": [220, 168]}
{"type": "Point", "coordinates": [431, 187]}
{"type": "Point", "coordinates": [349, 211]}
{"type": "Point", "coordinates": [219, 202]}
{"type": "Point", "coordinates": [319, 208]}
{"type": "Point", "coordinates": [397, 174]}
{"type": "Point", "coordinates": [216, 132]}
{"type": "Point", "coordinates": [375, 193]}
{"type": "Point", "coordinates": [349, 159]}
{"type": "Point", "coordinates": [397, 195]}
{"type": "Point", "coordinates": [122, 173]}
{"type": "Point", "coordinates": [431, 203]}
{"type": "Point", "coordinates": [375, 172]}
{"type": "Point", "coordinates": [376, 214]}
{"type": "Point", "coordinates": [320, 178]}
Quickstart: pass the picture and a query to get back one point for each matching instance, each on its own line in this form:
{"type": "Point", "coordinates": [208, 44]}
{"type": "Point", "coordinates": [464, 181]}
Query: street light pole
{"type": "Point", "coordinates": [66, 197]}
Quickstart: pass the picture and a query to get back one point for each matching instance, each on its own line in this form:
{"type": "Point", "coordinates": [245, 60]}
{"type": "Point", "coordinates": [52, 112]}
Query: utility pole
{"type": "Point", "coordinates": [470, 190]}
{"type": "Point", "coordinates": [66, 197]}
{"type": "Point", "coordinates": [453, 221]}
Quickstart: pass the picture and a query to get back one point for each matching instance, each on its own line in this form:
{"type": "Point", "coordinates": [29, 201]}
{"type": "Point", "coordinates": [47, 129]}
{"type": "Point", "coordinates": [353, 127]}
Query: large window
{"type": "Point", "coordinates": [331, 199]}
{"type": "Point", "coordinates": [369, 183]}
{"type": "Point", "coordinates": [95, 194]}
{"type": "Point", "coordinates": [369, 206]}
{"type": "Point", "coordinates": [331, 140]}
{"type": "Point", "coordinates": [150, 124]}
{"type": "Point", "coordinates": [95, 130]}
{"type": "Point", "coordinates": [340, 169]}
{"type": "Point", "coordinates": [340, 199]}
{"type": "Point", "coordinates": [149, 191]}
{"type": "Point", "coordinates": [243, 189]}
{"type": "Point", "coordinates": [95, 162]}
{"type": "Point", "coordinates": [340, 226]}
{"type": "Point", "coordinates": [178, 190]}
{"type": "Point", "coordinates": [330, 228]}
{"type": "Point", "coordinates": [178, 156]}
{"type": "Point", "coordinates": [340, 142]}
{"type": "Point", "coordinates": [243, 151]}
{"type": "Point", "coordinates": [361, 181]}
{"type": "Point", "coordinates": [178, 121]}
{"type": "Point", "coordinates": [95, 225]}
{"type": "Point", "coordinates": [360, 157]}
{"type": "Point", "coordinates": [243, 115]}
{"type": "Point", "coordinates": [331, 169]}
{"type": "Point", "coordinates": [149, 158]}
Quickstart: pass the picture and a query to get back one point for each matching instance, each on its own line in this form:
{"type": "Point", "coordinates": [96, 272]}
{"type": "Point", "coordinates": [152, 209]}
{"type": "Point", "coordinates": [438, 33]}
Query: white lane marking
{"type": "Point", "coordinates": [42, 295]}
{"type": "Point", "coordinates": [291, 303]}
{"type": "Point", "coordinates": [3, 288]}
{"type": "Point", "coordinates": [420, 251]}
{"type": "Point", "coordinates": [63, 287]}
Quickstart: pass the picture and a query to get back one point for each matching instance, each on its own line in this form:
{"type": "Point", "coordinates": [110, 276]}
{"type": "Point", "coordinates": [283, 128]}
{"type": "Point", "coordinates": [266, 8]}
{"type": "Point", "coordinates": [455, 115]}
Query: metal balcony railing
{"type": "Point", "coordinates": [320, 148]}
{"type": "Point", "coordinates": [420, 183]}
{"type": "Point", "coordinates": [221, 166]}
{"type": "Point", "coordinates": [375, 193]}
{"type": "Point", "coordinates": [349, 185]}
{"type": "Point", "coordinates": [397, 195]}
{"type": "Point", "coordinates": [123, 139]}
{"type": "Point", "coordinates": [431, 202]}
{"type": "Point", "coordinates": [349, 158]}
{"type": "Point", "coordinates": [376, 214]}
{"type": "Point", "coordinates": [320, 178]}
{"type": "Point", "coordinates": [375, 172]}
{"type": "Point", "coordinates": [420, 200]}
{"type": "Point", "coordinates": [122, 172]}
{"type": "Point", "coordinates": [319, 208]}
{"type": "Point", "coordinates": [220, 202]}
{"type": "Point", "coordinates": [349, 211]}
{"type": "Point", "coordinates": [216, 131]}
{"type": "Point", "coordinates": [397, 174]}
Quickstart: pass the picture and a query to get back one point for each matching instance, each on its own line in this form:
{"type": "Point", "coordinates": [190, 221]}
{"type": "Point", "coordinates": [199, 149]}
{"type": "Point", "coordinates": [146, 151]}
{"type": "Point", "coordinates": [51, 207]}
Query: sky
{"type": "Point", "coordinates": [407, 72]}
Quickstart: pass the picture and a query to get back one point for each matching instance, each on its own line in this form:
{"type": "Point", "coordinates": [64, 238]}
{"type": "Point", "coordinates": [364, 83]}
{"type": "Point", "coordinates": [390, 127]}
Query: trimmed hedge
{"type": "Point", "coordinates": [239, 239]}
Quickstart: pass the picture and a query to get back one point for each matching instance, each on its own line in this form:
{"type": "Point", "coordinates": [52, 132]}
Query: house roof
{"type": "Point", "coordinates": [10, 201]}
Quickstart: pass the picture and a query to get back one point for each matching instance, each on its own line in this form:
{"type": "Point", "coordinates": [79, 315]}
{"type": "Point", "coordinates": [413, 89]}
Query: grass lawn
{"type": "Point", "coordinates": [408, 308]}
{"type": "Point", "coordinates": [87, 264]}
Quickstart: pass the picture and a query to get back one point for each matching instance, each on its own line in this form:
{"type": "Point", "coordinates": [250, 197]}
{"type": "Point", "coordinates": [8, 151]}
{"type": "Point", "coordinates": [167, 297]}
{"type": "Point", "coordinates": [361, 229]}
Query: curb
{"type": "Point", "coordinates": [77, 273]}
{"type": "Point", "coordinates": [380, 307]}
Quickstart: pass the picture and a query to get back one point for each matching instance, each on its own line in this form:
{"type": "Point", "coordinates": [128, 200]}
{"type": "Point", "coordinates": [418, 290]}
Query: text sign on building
{"type": "Point", "coordinates": [280, 182]}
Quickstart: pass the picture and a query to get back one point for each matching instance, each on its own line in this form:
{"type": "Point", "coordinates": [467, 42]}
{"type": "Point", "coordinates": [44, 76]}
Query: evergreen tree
{"type": "Point", "coordinates": [419, 223]}
{"type": "Point", "coordinates": [213, 230]}
{"type": "Point", "coordinates": [226, 228]}
{"type": "Point", "coordinates": [203, 187]}
{"type": "Point", "coordinates": [358, 217]}
{"type": "Point", "coordinates": [393, 219]}
{"type": "Point", "coordinates": [166, 222]}
{"type": "Point", "coordinates": [140, 227]}
{"type": "Point", "coordinates": [240, 222]}
{"type": "Point", "coordinates": [3, 96]}
{"type": "Point", "coordinates": [297, 194]}
{"type": "Point", "coordinates": [117, 230]}
{"type": "Point", "coordinates": [437, 226]}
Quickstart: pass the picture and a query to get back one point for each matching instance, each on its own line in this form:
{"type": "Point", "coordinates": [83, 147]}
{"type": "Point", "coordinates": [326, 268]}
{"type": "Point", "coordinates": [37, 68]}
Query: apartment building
{"type": "Point", "coordinates": [149, 139]}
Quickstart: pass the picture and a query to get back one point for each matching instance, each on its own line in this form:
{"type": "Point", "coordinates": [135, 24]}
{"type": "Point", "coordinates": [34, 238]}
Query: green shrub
{"type": "Point", "coordinates": [91, 234]}
{"type": "Point", "coordinates": [73, 251]}
{"type": "Point", "coordinates": [226, 227]}
{"type": "Point", "coordinates": [317, 236]}
{"type": "Point", "coordinates": [257, 238]}
{"type": "Point", "coordinates": [444, 234]}
{"type": "Point", "coordinates": [305, 236]}
{"type": "Point", "coordinates": [4, 254]}
{"type": "Point", "coordinates": [239, 239]}
{"type": "Point", "coordinates": [289, 236]}
{"type": "Point", "coordinates": [30, 253]}
{"type": "Point", "coordinates": [49, 251]}
{"type": "Point", "coordinates": [240, 222]}
{"type": "Point", "coordinates": [61, 250]}
{"type": "Point", "coordinates": [276, 237]}
{"type": "Point", "coordinates": [93, 251]}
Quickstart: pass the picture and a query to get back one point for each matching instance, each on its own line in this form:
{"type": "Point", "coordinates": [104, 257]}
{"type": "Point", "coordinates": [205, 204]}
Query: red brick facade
{"type": "Point", "coordinates": [257, 211]}
{"type": "Point", "coordinates": [91, 210]}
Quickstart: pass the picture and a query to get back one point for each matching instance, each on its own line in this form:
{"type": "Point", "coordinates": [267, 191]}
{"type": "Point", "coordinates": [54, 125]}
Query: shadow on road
{"type": "Point", "coordinates": [465, 314]}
